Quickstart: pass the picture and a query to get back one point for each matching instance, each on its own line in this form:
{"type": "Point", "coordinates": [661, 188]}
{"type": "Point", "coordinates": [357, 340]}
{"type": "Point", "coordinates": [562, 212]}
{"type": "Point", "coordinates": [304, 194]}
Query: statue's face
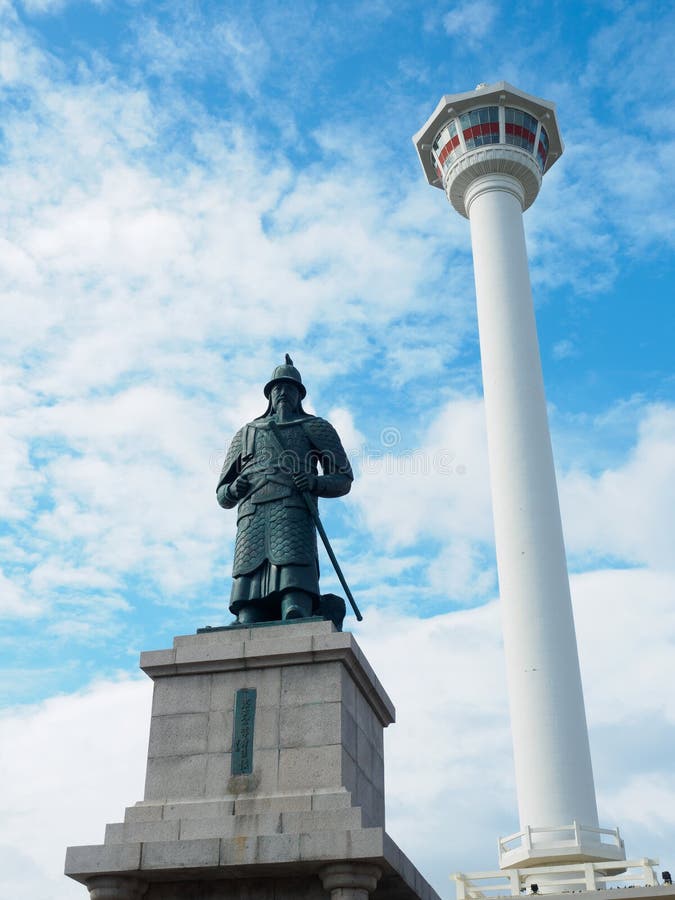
{"type": "Point", "coordinates": [285, 394]}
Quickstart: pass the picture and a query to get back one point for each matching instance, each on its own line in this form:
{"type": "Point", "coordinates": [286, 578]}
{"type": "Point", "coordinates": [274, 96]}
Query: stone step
{"type": "Point", "coordinates": [212, 809]}
{"type": "Point", "coordinates": [317, 800]}
{"type": "Point", "coordinates": [231, 826]}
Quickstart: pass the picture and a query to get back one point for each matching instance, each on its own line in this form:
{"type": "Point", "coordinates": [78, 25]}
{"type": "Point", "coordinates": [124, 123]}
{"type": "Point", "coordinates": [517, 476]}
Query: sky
{"type": "Point", "coordinates": [189, 190]}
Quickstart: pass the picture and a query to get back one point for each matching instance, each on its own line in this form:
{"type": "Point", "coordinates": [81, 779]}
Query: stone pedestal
{"type": "Point", "coordinates": [265, 777]}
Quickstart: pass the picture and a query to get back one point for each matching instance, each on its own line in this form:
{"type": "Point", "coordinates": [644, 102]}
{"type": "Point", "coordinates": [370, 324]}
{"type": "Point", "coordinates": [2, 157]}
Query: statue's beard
{"type": "Point", "coordinates": [285, 409]}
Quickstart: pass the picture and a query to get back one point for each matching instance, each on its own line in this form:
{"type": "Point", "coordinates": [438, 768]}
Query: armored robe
{"type": "Point", "coordinates": [275, 550]}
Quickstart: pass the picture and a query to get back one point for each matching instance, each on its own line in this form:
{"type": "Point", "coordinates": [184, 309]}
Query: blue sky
{"type": "Point", "coordinates": [190, 190]}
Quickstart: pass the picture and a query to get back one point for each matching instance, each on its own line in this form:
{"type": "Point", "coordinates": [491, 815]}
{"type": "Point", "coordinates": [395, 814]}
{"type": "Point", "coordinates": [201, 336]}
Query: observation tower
{"type": "Point", "coordinates": [488, 149]}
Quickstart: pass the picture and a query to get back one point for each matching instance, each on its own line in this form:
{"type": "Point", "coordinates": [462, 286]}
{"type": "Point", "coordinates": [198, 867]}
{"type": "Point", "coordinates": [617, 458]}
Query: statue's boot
{"type": "Point", "coordinates": [249, 614]}
{"type": "Point", "coordinates": [296, 605]}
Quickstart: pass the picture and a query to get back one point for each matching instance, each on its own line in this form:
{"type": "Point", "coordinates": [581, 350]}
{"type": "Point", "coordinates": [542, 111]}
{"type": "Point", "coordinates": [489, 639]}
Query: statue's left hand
{"type": "Point", "coordinates": [305, 481]}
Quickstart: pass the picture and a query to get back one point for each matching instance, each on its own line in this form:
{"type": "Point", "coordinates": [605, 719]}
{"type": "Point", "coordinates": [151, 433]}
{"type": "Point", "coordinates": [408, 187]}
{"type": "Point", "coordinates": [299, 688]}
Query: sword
{"type": "Point", "coordinates": [314, 513]}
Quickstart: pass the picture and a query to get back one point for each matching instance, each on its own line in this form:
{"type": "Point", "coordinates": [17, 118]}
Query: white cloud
{"type": "Point", "coordinates": [460, 571]}
{"type": "Point", "coordinates": [626, 511]}
{"type": "Point", "coordinates": [153, 261]}
{"type": "Point", "coordinates": [451, 701]}
{"type": "Point", "coordinates": [48, 573]}
{"type": "Point", "coordinates": [17, 478]}
{"type": "Point", "coordinates": [441, 483]}
{"type": "Point", "coordinates": [352, 439]}
{"type": "Point", "coordinates": [647, 800]}
{"type": "Point", "coordinates": [564, 349]}
{"type": "Point", "coordinates": [450, 790]}
{"type": "Point", "coordinates": [69, 765]}
{"type": "Point", "coordinates": [50, 7]}
{"type": "Point", "coordinates": [14, 602]}
{"type": "Point", "coordinates": [124, 272]}
{"type": "Point", "coordinates": [626, 622]}
{"type": "Point", "coordinates": [471, 20]}
{"type": "Point", "coordinates": [229, 48]}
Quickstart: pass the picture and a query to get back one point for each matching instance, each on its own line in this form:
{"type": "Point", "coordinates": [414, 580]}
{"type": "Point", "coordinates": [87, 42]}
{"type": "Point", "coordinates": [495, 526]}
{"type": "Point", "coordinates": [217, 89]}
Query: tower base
{"type": "Point", "coordinates": [265, 777]}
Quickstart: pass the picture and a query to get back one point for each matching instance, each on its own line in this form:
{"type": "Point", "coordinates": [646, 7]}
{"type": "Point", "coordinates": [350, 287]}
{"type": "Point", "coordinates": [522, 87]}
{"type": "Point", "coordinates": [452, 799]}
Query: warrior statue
{"type": "Point", "coordinates": [270, 469]}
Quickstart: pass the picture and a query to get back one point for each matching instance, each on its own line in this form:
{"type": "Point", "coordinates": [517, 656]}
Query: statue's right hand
{"type": "Point", "coordinates": [240, 487]}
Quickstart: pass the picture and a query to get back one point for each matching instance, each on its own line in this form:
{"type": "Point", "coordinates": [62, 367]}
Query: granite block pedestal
{"type": "Point", "coordinates": [265, 777]}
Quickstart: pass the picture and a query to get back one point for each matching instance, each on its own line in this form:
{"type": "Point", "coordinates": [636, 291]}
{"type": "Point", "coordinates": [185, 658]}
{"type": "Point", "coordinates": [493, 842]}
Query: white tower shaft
{"type": "Point", "coordinates": [489, 149]}
{"type": "Point", "coordinates": [550, 737]}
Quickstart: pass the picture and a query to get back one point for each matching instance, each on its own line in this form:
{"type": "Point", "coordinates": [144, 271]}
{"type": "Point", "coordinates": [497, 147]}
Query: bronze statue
{"type": "Point", "coordinates": [271, 472]}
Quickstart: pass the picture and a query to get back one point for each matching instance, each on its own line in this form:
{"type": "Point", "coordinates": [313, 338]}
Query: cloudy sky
{"type": "Point", "coordinates": [188, 190]}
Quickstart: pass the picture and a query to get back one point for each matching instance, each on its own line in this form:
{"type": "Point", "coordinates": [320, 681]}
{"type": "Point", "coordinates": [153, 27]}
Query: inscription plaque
{"type": "Point", "coordinates": [242, 739]}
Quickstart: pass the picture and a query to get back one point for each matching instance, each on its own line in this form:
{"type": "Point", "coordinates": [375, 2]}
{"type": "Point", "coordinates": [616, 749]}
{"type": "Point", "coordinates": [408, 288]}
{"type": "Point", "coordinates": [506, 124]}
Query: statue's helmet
{"type": "Point", "coordinates": [286, 372]}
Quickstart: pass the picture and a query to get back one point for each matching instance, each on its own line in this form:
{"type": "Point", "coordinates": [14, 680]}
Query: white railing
{"type": "Point", "coordinates": [560, 836]}
{"type": "Point", "coordinates": [557, 879]}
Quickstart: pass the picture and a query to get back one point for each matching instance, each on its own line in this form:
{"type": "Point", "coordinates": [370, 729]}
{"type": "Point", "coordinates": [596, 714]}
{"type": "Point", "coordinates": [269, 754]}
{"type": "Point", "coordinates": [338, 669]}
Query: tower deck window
{"type": "Point", "coordinates": [520, 128]}
{"type": "Point", "coordinates": [480, 126]}
{"type": "Point", "coordinates": [542, 148]}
